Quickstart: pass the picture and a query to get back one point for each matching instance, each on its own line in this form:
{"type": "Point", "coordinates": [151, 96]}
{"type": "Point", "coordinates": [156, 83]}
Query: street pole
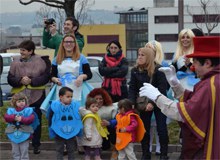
{"type": "Point", "coordinates": [181, 14]}
{"type": "Point", "coordinates": [1, 35]}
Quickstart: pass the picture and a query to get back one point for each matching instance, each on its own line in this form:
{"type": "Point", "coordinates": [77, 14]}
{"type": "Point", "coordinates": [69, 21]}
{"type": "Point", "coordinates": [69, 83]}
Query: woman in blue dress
{"type": "Point", "coordinates": [70, 68]}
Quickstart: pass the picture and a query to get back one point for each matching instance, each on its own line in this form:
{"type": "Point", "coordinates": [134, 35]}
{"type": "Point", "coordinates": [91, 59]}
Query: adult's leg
{"type": "Point", "coordinates": [37, 133]}
{"type": "Point", "coordinates": [162, 132]}
{"type": "Point", "coordinates": [145, 143]}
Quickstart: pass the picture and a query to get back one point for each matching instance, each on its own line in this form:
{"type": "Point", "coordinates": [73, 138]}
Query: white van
{"type": "Point", "coordinates": [6, 88]}
{"type": "Point", "coordinates": [7, 59]}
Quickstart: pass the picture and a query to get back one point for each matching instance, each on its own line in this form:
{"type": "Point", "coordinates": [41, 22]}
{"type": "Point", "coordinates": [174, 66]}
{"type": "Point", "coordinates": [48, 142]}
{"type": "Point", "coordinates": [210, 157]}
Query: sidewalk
{"type": "Point", "coordinates": [48, 152]}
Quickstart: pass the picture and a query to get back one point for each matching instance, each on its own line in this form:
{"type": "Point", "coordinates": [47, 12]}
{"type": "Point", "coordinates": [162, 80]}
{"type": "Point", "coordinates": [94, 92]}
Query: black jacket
{"type": "Point", "coordinates": [119, 71]}
{"type": "Point", "coordinates": [138, 78]}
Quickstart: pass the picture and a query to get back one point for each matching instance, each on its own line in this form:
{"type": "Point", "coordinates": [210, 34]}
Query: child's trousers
{"type": "Point", "coordinates": [70, 144]}
{"type": "Point", "coordinates": [20, 151]}
{"type": "Point", "coordinates": [128, 152]}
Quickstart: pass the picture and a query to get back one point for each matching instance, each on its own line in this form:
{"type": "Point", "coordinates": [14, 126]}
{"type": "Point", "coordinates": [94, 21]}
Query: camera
{"type": "Point", "coordinates": [49, 21]}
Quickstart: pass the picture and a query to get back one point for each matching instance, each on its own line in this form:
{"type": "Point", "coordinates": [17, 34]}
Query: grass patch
{"type": "Point", "coordinates": [173, 128]}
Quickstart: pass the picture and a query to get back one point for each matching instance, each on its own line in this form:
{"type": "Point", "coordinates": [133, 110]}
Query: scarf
{"type": "Point", "coordinates": [115, 83]}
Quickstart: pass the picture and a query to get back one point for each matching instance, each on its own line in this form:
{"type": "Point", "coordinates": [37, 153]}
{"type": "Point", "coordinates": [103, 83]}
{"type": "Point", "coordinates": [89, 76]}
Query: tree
{"type": "Point", "coordinates": [210, 21]}
{"type": "Point", "coordinates": [49, 12]}
{"type": "Point", "coordinates": [67, 5]}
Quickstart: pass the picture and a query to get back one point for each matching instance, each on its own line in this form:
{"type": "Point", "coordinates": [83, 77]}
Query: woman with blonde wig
{"type": "Point", "coordinates": [146, 71]}
{"type": "Point", "coordinates": [183, 64]}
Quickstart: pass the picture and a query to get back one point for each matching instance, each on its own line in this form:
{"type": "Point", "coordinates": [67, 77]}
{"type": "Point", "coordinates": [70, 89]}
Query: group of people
{"type": "Point", "coordinates": [109, 116]}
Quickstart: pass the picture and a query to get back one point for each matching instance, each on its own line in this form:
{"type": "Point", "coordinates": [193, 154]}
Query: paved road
{"type": "Point", "coordinates": [51, 155]}
{"type": "Point", "coordinates": [48, 152]}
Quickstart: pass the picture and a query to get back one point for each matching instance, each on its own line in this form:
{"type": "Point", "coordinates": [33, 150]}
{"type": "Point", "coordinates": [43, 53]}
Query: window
{"type": "Point", "coordinates": [131, 55]}
{"type": "Point", "coordinates": [101, 38]}
{"type": "Point", "coordinates": [166, 19]}
{"type": "Point", "coordinates": [211, 18]}
{"type": "Point", "coordinates": [7, 61]}
{"type": "Point", "coordinates": [166, 37]}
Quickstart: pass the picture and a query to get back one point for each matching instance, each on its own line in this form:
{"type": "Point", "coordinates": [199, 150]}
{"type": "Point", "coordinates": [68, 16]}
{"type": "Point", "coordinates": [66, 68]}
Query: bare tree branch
{"type": "Point", "coordinates": [58, 4]}
{"type": "Point", "coordinates": [210, 25]}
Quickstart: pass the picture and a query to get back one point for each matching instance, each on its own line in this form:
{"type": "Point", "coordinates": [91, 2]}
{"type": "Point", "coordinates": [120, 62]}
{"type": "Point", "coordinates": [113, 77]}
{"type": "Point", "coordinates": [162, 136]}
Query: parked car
{"type": "Point", "coordinates": [96, 80]}
{"type": "Point", "coordinates": [94, 61]}
{"type": "Point", "coordinates": [6, 88]}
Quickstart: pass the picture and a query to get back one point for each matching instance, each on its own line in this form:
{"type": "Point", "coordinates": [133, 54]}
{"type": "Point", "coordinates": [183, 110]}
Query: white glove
{"type": "Point", "coordinates": [149, 91]}
{"type": "Point", "coordinates": [170, 73]}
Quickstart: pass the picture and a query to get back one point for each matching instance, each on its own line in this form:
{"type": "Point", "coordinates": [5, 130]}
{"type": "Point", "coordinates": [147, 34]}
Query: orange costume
{"type": "Point", "coordinates": [124, 138]}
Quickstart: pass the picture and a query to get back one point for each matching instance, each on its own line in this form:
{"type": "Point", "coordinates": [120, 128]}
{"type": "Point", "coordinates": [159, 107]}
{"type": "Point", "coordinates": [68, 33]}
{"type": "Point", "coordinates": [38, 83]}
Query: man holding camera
{"type": "Point", "coordinates": [52, 39]}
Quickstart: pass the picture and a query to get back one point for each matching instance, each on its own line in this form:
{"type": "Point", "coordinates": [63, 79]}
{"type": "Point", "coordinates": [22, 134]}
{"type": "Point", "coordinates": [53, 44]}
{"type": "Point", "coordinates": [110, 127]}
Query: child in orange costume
{"type": "Point", "coordinates": [128, 125]}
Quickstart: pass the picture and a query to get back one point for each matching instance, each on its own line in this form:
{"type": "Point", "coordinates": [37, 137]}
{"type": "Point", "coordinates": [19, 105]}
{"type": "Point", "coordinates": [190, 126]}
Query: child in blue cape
{"type": "Point", "coordinates": [65, 122]}
{"type": "Point", "coordinates": [22, 121]}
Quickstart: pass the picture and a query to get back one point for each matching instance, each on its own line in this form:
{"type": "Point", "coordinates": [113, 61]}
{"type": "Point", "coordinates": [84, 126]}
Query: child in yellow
{"type": "Point", "coordinates": [93, 131]}
{"type": "Point", "coordinates": [129, 129]}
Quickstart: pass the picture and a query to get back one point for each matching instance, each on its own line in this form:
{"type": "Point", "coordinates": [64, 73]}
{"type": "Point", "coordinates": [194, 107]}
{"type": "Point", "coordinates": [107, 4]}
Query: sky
{"type": "Point", "coordinates": [14, 5]}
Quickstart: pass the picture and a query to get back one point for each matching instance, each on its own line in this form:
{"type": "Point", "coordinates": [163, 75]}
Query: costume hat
{"type": "Point", "coordinates": [206, 47]}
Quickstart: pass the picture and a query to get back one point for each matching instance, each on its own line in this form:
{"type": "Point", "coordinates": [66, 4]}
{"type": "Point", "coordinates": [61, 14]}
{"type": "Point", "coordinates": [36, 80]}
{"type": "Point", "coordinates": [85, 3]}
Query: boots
{"type": "Point", "coordinates": [163, 150]}
{"type": "Point", "coordinates": [146, 154]}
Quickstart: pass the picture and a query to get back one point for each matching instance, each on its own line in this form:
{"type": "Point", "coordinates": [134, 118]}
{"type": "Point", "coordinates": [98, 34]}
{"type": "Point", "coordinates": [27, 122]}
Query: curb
{"type": "Point", "coordinates": [51, 146]}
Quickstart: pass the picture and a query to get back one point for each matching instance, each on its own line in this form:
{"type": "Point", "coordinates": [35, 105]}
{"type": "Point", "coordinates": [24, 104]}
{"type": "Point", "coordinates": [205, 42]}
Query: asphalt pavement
{"type": "Point", "coordinates": [48, 152]}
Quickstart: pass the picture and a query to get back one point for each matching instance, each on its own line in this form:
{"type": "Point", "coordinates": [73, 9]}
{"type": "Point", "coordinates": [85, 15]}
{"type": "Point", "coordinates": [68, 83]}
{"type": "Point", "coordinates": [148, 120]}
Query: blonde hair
{"type": "Point", "coordinates": [179, 49]}
{"type": "Point", "coordinates": [150, 64]}
{"type": "Point", "coordinates": [157, 47]}
{"type": "Point", "coordinates": [62, 53]}
{"type": "Point", "coordinates": [18, 96]}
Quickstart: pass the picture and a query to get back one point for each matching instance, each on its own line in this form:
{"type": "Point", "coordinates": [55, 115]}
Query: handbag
{"type": "Point", "coordinates": [141, 102]}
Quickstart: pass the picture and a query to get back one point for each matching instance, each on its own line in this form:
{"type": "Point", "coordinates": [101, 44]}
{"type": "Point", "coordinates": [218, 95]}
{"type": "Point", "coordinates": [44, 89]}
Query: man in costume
{"type": "Point", "coordinates": [197, 111]}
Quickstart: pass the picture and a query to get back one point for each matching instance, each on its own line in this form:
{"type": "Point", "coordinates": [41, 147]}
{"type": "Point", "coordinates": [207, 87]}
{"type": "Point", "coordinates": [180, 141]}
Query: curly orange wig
{"type": "Point", "coordinates": [107, 100]}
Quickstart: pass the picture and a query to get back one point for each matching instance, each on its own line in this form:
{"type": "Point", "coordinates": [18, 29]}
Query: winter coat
{"type": "Point", "coordinates": [139, 77]}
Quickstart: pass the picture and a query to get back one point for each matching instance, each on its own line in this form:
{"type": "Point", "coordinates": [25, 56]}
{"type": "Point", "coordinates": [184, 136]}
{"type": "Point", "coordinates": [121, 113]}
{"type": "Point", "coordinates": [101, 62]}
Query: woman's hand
{"type": "Point", "coordinates": [56, 81]}
{"type": "Point", "coordinates": [26, 80]}
{"type": "Point", "coordinates": [79, 81]}
{"type": "Point", "coordinates": [149, 107]}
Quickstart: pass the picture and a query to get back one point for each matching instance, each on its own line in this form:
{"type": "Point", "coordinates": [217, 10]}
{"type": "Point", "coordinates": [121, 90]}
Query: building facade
{"type": "Point", "coordinates": [97, 37]}
{"type": "Point", "coordinates": [161, 24]}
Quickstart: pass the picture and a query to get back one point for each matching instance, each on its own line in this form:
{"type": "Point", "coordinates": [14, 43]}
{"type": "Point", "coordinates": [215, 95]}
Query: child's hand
{"type": "Point", "coordinates": [122, 130]}
{"type": "Point", "coordinates": [105, 123]}
{"type": "Point", "coordinates": [18, 118]}
{"type": "Point", "coordinates": [149, 107]}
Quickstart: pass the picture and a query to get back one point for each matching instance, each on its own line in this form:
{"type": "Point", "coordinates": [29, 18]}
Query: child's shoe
{"type": "Point", "coordinates": [114, 155]}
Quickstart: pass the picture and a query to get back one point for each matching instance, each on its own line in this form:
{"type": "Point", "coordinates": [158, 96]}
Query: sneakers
{"type": "Point", "coordinates": [36, 150]}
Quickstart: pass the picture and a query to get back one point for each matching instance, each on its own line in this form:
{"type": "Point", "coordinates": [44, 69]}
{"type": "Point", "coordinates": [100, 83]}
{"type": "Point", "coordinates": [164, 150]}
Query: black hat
{"type": "Point", "coordinates": [197, 32]}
